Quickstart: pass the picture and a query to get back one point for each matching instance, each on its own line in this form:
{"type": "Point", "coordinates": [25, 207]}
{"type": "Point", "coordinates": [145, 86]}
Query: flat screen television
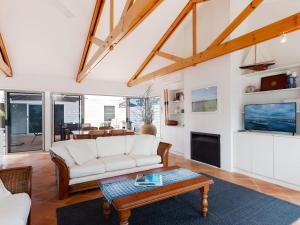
{"type": "Point", "coordinates": [280, 117]}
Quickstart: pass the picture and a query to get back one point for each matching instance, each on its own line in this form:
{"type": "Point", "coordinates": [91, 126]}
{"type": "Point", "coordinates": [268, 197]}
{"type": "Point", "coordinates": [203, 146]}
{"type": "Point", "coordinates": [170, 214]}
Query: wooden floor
{"type": "Point", "coordinates": [44, 195]}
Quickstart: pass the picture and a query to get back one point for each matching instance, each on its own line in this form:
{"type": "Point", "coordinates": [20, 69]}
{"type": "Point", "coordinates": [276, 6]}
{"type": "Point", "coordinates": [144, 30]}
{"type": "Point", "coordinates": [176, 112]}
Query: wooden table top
{"type": "Point", "coordinates": [150, 196]}
{"type": "Point", "coordinates": [80, 132]}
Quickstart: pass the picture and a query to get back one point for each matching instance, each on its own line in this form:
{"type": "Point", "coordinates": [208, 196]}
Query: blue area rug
{"type": "Point", "coordinates": [229, 204]}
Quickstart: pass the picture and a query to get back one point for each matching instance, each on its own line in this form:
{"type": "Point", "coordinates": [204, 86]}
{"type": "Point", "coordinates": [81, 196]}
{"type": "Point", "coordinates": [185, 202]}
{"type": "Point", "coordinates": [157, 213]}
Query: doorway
{"type": "Point", "coordinates": [24, 122]}
{"type": "Point", "coordinates": [67, 115]}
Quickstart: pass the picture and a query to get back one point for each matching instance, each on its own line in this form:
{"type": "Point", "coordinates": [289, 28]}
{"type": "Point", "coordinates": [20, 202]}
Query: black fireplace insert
{"type": "Point", "coordinates": [206, 148]}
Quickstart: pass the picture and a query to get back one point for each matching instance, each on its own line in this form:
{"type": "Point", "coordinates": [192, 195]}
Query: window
{"type": "Point", "coordinates": [102, 111]}
{"type": "Point", "coordinates": [109, 113]}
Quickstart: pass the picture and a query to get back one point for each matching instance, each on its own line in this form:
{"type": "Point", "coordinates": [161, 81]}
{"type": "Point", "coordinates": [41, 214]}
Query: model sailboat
{"type": "Point", "coordinates": [257, 59]}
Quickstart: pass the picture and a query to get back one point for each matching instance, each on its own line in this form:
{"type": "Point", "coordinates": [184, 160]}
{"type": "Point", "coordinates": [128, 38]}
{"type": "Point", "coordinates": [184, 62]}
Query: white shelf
{"type": "Point", "coordinates": [273, 91]}
{"type": "Point", "coordinates": [272, 71]}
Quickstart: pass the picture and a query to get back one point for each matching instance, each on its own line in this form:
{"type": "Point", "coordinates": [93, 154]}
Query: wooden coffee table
{"type": "Point", "coordinates": [124, 205]}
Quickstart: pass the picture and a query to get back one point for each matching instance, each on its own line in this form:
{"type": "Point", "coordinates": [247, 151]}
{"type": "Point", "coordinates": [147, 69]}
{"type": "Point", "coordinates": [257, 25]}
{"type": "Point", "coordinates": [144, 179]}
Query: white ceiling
{"type": "Point", "coordinates": [42, 41]}
{"type": "Point", "coordinates": [46, 38]}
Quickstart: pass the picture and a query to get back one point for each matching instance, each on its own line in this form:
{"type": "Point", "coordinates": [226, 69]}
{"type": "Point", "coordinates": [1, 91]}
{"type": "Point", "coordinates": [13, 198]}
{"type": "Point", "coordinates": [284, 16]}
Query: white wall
{"type": "Point", "coordinates": [214, 72]}
{"type": "Point", "coordinates": [225, 72]}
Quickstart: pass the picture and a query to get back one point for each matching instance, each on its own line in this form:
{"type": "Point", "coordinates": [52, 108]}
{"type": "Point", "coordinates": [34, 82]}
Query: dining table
{"type": "Point", "coordinates": [85, 134]}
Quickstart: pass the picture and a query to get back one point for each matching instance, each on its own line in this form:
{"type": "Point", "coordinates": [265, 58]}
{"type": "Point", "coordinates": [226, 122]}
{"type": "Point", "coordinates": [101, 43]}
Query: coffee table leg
{"type": "Point", "coordinates": [106, 209]}
{"type": "Point", "coordinates": [124, 217]}
{"type": "Point", "coordinates": [204, 206]}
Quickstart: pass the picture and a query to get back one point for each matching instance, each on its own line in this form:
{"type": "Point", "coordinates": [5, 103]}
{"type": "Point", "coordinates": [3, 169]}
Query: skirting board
{"type": "Point", "coordinates": [267, 179]}
{"type": "Point", "coordinates": [177, 153]}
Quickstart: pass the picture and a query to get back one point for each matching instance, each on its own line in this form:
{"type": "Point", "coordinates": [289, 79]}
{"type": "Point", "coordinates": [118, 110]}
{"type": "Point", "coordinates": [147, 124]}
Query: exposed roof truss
{"type": "Point", "coordinates": [218, 47]}
{"type": "Point", "coordinates": [134, 12]}
{"type": "Point", "coordinates": [5, 66]}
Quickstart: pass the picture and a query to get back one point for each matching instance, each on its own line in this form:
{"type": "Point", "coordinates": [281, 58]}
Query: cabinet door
{"type": "Point", "coordinates": [243, 151]}
{"type": "Point", "coordinates": [262, 156]}
{"type": "Point", "coordinates": [287, 159]}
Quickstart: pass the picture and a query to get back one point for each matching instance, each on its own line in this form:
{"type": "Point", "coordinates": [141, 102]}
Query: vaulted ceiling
{"type": "Point", "coordinates": [47, 38]}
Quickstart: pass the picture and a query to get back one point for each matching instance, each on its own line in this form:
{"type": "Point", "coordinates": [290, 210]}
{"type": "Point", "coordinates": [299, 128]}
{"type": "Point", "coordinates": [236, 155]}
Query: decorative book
{"type": "Point", "coordinates": [148, 180]}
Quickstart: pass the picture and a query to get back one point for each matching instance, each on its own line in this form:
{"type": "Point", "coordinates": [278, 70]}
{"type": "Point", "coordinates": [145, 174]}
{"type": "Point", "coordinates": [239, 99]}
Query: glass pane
{"type": "Point", "coordinates": [136, 110]}
{"type": "Point", "coordinates": [156, 114]}
{"type": "Point", "coordinates": [67, 114]}
{"type": "Point", "coordinates": [135, 113]}
{"type": "Point", "coordinates": [25, 122]}
{"type": "Point", "coordinates": [104, 111]}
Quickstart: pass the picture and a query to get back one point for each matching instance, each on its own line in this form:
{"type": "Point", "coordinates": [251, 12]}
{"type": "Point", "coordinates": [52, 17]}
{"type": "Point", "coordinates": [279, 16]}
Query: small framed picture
{"type": "Point", "coordinates": [205, 99]}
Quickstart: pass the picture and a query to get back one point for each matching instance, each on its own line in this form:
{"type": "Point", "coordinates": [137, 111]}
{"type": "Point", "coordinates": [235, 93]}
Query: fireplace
{"type": "Point", "coordinates": [206, 148]}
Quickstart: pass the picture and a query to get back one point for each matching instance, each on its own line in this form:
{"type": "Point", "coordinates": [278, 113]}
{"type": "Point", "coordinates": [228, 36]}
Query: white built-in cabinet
{"type": "Point", "coordinates": [271, 156]}
{"type": "Point", "coordinates": [287, 159]}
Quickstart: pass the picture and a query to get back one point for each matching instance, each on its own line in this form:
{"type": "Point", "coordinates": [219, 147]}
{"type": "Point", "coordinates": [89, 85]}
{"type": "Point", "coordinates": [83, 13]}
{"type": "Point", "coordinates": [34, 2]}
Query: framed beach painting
{"type": "Point", "coordinates": [205, 99]}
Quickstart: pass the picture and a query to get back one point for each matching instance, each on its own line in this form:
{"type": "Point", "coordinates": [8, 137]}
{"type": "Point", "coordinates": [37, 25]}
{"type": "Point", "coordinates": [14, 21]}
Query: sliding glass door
{"type": "Point", "coordinates": [24, 122]}
{"type": "Point", "coordinates": [67, 114]}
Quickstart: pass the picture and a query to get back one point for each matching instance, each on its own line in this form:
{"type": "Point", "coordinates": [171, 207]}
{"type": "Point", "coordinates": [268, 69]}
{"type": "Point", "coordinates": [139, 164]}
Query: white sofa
{"type": "Point", "coordinates": [15, 190]}
{"type": "Point", "coordinates": [82, 162]}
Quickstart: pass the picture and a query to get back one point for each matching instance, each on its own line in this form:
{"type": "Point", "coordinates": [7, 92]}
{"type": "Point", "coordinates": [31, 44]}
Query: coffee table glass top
{"type": "Point", "coordinates": [126, 187]}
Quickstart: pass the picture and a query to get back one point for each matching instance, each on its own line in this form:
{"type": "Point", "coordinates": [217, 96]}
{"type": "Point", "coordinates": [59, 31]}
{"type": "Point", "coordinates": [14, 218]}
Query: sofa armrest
{"type": "Point", "coordinates": [17, 180]}
{"type": "Point", "coordinates": [62, 175]}
{"type": "Point", "coordinates": [163, 151]}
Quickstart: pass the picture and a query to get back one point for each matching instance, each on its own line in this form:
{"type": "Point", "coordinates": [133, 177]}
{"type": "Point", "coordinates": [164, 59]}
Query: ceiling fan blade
{"type": "Point", "coordinates": [62, 8]}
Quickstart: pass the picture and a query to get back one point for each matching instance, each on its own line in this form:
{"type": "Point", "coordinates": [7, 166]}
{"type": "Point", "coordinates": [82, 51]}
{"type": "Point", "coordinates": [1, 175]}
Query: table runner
{"type": "Point", "coordinates": [118, 189]}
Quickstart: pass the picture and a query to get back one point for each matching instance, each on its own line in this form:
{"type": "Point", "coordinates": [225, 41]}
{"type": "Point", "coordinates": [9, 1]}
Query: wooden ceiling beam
{"type": "Point", "coordinates": [112, 16]}
{"type": "Point", "coordinates": [170, 56]}
{"type": "Point", "coordinates": [138, 11]}
{"type": "Point", "coordinates": [5, 65]}
{"type": "Point", "coordinates": [286, 25]}
{"type": "Point", "coordinates": [97, 41]}
{"type": "Point", "coordinates": [92, 32]}
{"type": "Point", "coordinates": [194, 10]}
{"type": "Point", "coordinates": [236, 22]}
{"type": "Point", "coordinates": [184, 12]}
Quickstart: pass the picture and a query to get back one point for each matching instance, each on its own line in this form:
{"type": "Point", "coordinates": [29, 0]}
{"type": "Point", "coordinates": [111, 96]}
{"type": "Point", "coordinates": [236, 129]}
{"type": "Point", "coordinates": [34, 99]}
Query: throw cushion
{"type": "Point", "coordinates": [110, 146]}
{"type": "Point", "coordinates": [80, 152]}
{"type": "Point", "coordinates": [143, 145]}
{"type": "Point", "coordinates": [3, 191]}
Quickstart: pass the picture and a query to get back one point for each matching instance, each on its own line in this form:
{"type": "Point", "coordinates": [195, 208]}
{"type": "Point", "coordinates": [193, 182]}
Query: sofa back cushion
{"type": "Point", "coordinates": [82, 150]}
{"type": "Point", "coordinates": [145, 145]}
{"type": "Point", "coordinates": [130, 142]}
{"type": "Point", "coordinates": [110, 146]}
{"type": "Point", "coordinates": [59, 148]}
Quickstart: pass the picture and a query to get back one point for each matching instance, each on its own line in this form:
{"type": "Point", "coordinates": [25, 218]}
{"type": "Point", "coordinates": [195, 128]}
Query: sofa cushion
{"type": "Point", "coordinates": [3, 191]}
{"type": "Point", "coordinates": [81, 151]}
{"type": "Point", "coordinates": [111, 146]}
{"type": "Point", "coordinates": [143, 145]}
{"type": "Point", "coordinates": [145, 160]}
{"type": "Point", "coordinates": [15, 209]}
{"type": "Point", "coordinates": [89, 168]}
{"type": "Point", "coordinates": [59, 148]}
{"type": "Point", "coordinates": [130, 141]}
{"type": "Point", "coordinates": [118, 162]}
{"type": "Point", "coordinates": [155, 145]}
